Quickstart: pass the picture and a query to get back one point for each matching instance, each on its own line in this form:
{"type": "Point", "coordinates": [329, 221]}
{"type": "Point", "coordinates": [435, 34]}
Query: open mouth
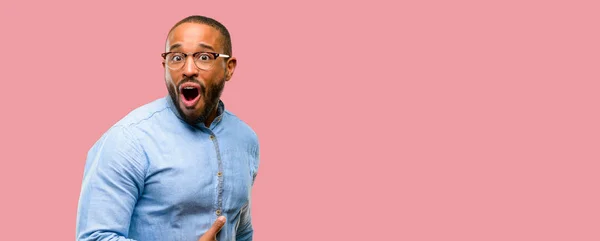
{"type": "Point", "coordinates": [190, 94]}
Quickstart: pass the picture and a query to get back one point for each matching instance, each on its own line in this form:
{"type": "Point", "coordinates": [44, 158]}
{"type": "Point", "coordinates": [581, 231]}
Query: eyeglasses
{"type": "Point", "coordinates": [203, 60]}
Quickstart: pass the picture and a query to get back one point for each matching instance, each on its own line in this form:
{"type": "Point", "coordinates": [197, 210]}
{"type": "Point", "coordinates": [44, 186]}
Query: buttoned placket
{"type": "Point", "coordinates": [213, 138]}
{"type": "Point", "coordinates": [219, 174]}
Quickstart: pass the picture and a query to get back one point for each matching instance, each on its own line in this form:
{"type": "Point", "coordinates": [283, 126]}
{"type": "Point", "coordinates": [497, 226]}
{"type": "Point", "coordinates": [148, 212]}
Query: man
{"type": "Point", "coordinates": [170, 168]}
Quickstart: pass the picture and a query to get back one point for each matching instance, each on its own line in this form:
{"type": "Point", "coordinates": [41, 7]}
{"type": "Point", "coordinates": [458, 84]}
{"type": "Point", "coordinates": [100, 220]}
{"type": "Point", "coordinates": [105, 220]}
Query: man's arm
{"type": "Point", "coordinates": [112, 181]}
{"type": "Point", "coordinates": [245, 230]}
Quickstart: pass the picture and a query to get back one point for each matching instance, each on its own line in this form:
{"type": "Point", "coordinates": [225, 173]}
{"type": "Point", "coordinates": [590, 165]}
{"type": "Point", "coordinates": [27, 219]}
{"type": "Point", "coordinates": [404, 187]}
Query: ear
{"type": "Point", "coordinates": [231, 64]}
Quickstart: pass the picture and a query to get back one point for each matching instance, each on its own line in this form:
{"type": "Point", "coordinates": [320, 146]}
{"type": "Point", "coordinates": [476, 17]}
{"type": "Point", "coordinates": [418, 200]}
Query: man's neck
{"type": "Point", "coordinates": [213, 115]}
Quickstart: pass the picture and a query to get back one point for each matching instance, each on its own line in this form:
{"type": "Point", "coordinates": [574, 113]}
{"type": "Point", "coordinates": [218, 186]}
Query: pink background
{"type": "Point", "coordinates": [421, 120]}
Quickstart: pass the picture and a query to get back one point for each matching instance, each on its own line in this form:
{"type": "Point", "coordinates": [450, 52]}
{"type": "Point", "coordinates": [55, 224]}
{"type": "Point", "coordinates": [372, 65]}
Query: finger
{"type": "Point", "coordinates": [217, 225]}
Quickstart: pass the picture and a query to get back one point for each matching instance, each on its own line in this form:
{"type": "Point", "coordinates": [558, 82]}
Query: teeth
{"type": "Point", "coordinates": [189, 88]}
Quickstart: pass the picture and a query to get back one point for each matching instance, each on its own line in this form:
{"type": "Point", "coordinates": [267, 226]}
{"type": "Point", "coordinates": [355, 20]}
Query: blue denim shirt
{"type": "Point", "coordinates": [152, 177]}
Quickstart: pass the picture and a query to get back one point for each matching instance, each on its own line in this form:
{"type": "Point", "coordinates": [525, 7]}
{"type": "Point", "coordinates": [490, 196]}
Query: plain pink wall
{"type": "Point", "coordinates": [420, 120]}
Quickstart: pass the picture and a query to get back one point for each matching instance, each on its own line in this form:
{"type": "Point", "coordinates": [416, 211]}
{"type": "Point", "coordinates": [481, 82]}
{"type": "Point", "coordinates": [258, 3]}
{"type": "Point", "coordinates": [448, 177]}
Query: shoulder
{"type": "Point", "coordinates": [149, 112]}
{"type": "Point", "coordinates": [242, 128]}
{"type": "Point", "coordinates": [122, 136]}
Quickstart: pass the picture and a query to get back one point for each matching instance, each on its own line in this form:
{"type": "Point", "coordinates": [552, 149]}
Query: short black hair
{"type": "Point", "coordinates": [210, 22]}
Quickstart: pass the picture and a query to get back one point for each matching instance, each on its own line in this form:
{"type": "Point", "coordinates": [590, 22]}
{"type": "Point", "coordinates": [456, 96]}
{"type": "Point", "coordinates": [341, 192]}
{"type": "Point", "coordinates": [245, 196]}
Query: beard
{"type": "Point", "coordinates": [210, 96]}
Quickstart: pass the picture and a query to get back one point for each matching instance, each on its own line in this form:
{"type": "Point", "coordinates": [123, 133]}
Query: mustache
{"type": "Point", "coordinates": [192, 80]}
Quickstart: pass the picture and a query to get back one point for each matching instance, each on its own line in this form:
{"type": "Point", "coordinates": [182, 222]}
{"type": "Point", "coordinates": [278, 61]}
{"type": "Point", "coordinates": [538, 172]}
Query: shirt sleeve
{"type": "Point", "coordinates": [113, 179]}
{"type": "Point", "coordinates": [245, 231]}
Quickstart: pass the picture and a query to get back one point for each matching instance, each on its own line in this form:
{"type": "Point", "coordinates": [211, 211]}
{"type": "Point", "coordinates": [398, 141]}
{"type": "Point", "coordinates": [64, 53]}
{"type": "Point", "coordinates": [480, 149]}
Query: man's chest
{"type": "Point", "coordinates": [197, 173]}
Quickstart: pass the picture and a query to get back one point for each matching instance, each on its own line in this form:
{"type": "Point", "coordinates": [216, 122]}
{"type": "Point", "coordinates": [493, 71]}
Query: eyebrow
{"type": "Point", "coordinates": [206, 46]}
{"type": "Point", "coordinates": [177, 45]}
{"type": "Point", "coordinates": [174, 46]}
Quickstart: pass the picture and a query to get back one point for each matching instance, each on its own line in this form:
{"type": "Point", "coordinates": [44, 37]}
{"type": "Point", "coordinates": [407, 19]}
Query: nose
{"type": "Point", "coordinates": [190, 69]}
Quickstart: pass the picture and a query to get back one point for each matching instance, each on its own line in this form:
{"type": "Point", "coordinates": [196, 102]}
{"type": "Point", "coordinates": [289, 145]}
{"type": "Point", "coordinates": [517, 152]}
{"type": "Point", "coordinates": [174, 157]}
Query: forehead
{"type": "Point", "coordinates": [190, 35]}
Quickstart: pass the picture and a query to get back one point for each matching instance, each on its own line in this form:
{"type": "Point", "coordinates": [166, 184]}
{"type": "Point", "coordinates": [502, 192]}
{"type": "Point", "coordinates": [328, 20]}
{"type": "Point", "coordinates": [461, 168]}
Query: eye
{"type": "Point", "coordinates": [204, 57]}
{"type": "Point", "coordinates": [176, 58]}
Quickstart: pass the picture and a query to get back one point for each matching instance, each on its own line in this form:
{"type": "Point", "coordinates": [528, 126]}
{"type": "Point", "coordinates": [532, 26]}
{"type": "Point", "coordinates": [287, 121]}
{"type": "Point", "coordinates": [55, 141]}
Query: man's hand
{"type": "Point", "coordinates": [211, 234]}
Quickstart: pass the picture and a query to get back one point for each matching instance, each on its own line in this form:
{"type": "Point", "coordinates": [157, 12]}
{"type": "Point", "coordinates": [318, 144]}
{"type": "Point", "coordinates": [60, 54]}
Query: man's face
{"type": "Point", "coordinates": [196, 92]}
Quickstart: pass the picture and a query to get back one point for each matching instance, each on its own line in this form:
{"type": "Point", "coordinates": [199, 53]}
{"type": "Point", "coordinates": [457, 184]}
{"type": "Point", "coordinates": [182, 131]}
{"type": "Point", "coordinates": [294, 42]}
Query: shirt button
{"type": "Point", "coordinates": [219, 174]}
{"type": "Point", "coordinates": [218, 212]}
{"type": "Point", "coordinates": [212, 137]}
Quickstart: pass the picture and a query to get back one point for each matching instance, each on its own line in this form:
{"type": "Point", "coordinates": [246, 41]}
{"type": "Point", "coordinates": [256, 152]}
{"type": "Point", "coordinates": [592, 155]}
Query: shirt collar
{"type": "Point", "coordinates": [218, 118]}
